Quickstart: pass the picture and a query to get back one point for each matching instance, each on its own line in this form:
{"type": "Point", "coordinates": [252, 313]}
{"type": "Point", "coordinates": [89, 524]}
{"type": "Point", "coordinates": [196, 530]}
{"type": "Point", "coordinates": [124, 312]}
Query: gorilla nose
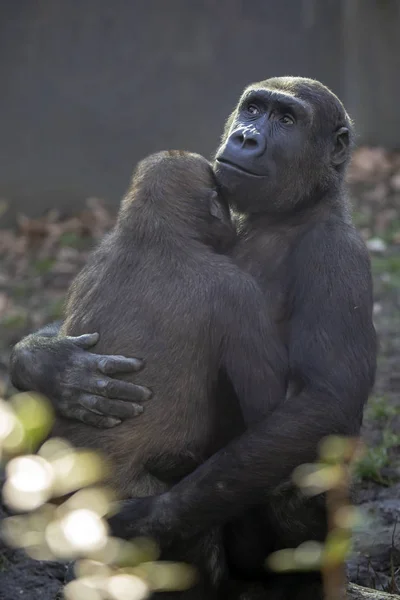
{"type": "Point", "coordinates": [246, 142]}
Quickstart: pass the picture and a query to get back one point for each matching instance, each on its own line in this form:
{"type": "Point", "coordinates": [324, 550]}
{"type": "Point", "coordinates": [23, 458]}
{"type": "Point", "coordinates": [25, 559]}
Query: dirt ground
{"type": "Point", "coordinates": [38, 260]}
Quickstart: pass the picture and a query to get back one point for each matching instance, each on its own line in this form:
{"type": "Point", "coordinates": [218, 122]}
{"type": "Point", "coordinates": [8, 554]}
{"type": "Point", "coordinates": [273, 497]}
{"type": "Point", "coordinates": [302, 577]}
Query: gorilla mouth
{"type": "Point", "coordinates": [236, 167]}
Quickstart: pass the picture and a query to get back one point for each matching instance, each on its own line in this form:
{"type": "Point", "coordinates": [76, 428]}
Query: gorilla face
{"type": "Point", "coordinates": [285, 141]}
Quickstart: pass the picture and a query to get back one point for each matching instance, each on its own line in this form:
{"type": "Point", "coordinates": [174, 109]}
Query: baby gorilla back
{"type": "Point", "coordinates": [149, 290]}
{"type": "Point", "coordinates": [146, 291]}
{"type": "Point", "coordinates": [142, 306]}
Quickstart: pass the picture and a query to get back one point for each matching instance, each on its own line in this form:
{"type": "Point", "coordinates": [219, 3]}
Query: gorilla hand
{"type": "Point", "coordinates": [79, 383]}
{"type": "Point", "coordinates": [144, 517]}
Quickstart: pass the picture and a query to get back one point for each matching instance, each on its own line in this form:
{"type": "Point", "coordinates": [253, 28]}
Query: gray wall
{"type": "Point", "coordinates": [371, 81]}
{"type": "Point", "coordinates": [91, 86]}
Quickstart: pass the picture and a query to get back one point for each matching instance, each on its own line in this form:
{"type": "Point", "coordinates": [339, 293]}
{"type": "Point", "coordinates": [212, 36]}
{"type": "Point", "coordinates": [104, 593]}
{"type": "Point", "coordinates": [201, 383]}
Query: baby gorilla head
{"type": "Point", "coordinates": [176, 192]}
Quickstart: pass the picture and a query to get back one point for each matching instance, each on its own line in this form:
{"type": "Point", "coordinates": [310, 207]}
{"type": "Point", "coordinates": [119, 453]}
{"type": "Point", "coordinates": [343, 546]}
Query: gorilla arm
{"type": "Point", "coordinates": [332, 357]}
{"type": "Point", "coordinates": [79, 383]}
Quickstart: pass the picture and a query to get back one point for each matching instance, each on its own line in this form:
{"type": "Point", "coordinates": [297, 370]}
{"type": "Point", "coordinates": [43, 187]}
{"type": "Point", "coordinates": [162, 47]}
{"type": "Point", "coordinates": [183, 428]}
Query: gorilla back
{"type": "Point", "coordinates": [157, 287]}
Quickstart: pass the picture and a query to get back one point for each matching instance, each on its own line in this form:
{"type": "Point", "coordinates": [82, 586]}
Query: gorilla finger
{"type": "Point", "coordinates": [121, 390]}
{"type": "Point", "coordinates": [112, 365]}
{"type": "Point", "coordinates": [87, 340]}
{"type": "Point", "coordinates": [111, 408]}
{"type": "Point", "coordinates": [91, 418]}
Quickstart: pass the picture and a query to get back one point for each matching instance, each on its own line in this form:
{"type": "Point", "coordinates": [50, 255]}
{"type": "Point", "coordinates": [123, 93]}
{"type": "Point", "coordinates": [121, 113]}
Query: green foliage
{"type": "Point", "coordinates": [391, 439]}
{"type": "Point", "coordinates": [369, 467]}
{"type": "Point", "coordinates": [43, 265]}
{"type": "Point", "coordinates": [15, 320]}
{"type": "Point", "coordinates": [72, 240]}
{"type": "Point", "coordinates": [388, 266]}
{"type": "Point", "coordinates": [21, 290]}
{"type": "Point", "coordinates": [379, 408]}
{"type": "Point", "coordinates": [392, 232]}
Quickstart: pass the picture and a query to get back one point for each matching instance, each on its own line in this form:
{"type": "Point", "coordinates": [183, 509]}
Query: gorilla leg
{"type": "Point", "coordinates": [206, 553]}
{"type": "Point", "coordinates": [295, 519]}
{"type": "Point", "coordinates": [287, 520]}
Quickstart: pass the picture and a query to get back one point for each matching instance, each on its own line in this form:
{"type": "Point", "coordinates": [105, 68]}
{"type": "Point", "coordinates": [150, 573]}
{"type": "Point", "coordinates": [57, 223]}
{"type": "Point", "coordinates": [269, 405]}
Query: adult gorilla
{"type": "Point", "coordinates": [281, 165]}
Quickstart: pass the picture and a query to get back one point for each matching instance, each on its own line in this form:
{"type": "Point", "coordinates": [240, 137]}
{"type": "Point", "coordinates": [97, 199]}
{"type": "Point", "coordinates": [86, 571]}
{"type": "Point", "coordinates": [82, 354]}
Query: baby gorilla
{"type": "Point", "coordinates": [158, 286]}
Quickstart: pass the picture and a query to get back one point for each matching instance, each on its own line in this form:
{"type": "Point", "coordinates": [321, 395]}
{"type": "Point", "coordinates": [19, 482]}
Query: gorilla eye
{"type": "Point", "coordinates": [253, 109]}
{"type": "Point", "coordinates": [287, 120]}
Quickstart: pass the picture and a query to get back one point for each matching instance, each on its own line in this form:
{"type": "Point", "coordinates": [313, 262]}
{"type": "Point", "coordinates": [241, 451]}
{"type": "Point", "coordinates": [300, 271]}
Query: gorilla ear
{"type": "Point", "coordinates": [216, 209]}
{"type": "Point", "coordinates": [341, 146]}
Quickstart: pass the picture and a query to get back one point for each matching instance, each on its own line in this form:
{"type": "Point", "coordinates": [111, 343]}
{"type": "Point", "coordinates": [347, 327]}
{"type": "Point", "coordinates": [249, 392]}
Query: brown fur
{"type": "Point", "coordinates": [157, 288]}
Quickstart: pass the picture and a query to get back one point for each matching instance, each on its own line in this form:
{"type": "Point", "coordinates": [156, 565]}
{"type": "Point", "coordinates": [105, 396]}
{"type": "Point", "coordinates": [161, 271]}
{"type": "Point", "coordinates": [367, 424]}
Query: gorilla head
{"type": "Point", "coordinates": [286, 145]}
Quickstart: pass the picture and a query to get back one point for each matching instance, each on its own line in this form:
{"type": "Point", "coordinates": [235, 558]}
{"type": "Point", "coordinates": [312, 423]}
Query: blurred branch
{"type": "Point", "coordinates": [355, 592]}
{"type": "Point", "coordinates": [59, 511]}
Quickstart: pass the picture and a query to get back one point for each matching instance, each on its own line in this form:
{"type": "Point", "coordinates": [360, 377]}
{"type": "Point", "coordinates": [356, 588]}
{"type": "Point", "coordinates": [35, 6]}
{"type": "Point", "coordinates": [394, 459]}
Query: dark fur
{"type": "Point", "coordinates": [297, 239]}
{"type": "Point", "coordinates": [157, 288]}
